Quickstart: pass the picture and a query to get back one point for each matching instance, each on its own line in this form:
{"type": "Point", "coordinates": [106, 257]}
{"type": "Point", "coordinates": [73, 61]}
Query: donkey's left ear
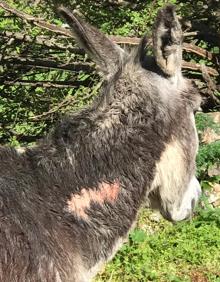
{"type": "Point", "coordinates": [101, 49]}
{"type": "Point", "coordinates": [167, 41]}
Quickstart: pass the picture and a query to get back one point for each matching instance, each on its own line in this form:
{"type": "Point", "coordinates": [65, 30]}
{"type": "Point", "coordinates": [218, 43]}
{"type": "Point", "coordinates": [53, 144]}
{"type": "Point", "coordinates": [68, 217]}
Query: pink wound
{"type": "Point", "coordinates": [80, 202]}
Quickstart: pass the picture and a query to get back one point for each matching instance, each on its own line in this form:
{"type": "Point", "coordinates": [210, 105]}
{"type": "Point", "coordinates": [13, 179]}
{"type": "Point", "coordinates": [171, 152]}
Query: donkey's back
{"type": "Point", "coordinates": [31, 248]}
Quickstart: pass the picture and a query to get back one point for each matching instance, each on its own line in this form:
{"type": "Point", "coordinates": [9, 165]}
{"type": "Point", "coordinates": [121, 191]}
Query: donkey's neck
{"type": "Point", "coordinates": [94, 169]}
{"type": "Point", "coordinates": [106, 143]}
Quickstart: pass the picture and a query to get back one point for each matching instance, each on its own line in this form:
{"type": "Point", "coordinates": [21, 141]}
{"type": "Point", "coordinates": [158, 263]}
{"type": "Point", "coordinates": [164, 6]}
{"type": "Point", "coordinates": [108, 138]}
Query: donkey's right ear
{"type": "Point", "coordinates": [106, 54]}
{"type": "Point", "coordinates": [167, 41]}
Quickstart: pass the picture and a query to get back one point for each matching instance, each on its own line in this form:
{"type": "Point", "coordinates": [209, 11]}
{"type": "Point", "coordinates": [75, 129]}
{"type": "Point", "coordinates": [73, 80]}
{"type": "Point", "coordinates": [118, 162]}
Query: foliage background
{"type": "Point", "coordinates": [22, 96]}
{"type": "Point", "coordinates": [34, 95]}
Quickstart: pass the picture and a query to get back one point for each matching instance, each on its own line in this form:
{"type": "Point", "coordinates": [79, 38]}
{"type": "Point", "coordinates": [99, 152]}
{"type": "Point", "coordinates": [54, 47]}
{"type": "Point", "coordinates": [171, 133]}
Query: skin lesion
{"type": "Point", "coordinates": [78, 204]}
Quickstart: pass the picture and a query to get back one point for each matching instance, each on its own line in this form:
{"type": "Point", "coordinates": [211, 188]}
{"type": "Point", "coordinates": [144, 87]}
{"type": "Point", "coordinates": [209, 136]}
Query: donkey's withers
{"type": "Point", "coordinates": [67, 204]}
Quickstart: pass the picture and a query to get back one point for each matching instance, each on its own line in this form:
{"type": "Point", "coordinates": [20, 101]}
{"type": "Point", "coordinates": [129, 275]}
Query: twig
{"type": "Point", "coordinates": [76, 66]}
{"type": "Point", "coordinates": [67, 101]}
{"type": "Point", "coordinates": [47, 41]}
{"type": "Point", "coordinates": [197, 67]}
{"type": "Point", "coordinates": [125, 40]}
{"type": "Point", "coordinates": [46, 84]}
{"type": "Point", "coordinates": [68, 33]}
{"type": "Point", "coordinates": [210, 84]}
{"type": "Point", "coordinates": [40, 63]}
{"type": "Point", "coordinates": [190, 33]}
{"type": "Point", "coordinates": [197, 50]}
{"type": "Point", "coordinates": [79, 66]}
{"type": "Point", "coordinates": [36, 21]}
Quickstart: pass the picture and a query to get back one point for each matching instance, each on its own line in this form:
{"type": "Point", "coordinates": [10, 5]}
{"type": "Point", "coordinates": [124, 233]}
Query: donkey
{"type": "Point", "coordinates": [67, 204]}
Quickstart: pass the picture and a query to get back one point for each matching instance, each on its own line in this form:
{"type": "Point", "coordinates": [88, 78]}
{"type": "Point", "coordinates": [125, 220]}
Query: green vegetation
{"type": "Point", "coordinates": [172, 253]}
{"type": "Point", "coordinates": [33, 96]}
{"type": "Point", "coordinates": [209, 154]}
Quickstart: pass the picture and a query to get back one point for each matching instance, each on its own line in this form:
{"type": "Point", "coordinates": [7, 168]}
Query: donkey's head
{"type": "Point", "coordinates": [156, 106]}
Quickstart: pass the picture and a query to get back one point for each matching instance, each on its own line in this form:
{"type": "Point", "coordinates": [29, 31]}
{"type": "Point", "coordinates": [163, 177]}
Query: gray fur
{"type": "Point", "coordinates": [167, 41]}
{"type": "Point", "coordinates": [67, 204]}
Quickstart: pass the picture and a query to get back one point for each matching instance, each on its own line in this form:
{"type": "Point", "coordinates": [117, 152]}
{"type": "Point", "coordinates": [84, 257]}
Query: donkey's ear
{"type": "Point", "coordinates": [167, 41]}
{"type": "Point", "coordinates": [102, 50]}
{"type": "Point", "coordinates": [140, 51]}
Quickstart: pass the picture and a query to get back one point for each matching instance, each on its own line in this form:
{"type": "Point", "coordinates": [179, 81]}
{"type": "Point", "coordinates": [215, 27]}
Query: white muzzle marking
{"type": "Point", "coordinates": [190, 198]}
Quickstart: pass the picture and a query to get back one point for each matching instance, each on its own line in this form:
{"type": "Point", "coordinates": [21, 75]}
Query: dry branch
{"type": "Point", "coordinates": [186, 46]}
{"type": "Point", "coordinates": [125, 40]}
{"type": "Point", "coordinates": [67, 101]}
{"type": "Point", "coordinates": [36, 21]}
{"type": "Point", "coordinates": [78, 66]}
{"type": "Point", "coordinates": [46, 84]}
{"type": "Point", "coordinates": [52, 43]}
{"type": "Point", "coordinates": [191, 48]}
{"type": "Point", "coordinates": [118, 39]}
{"type": "Point", "coordinates": [210, 84]}
{"type": "Point", "coordinates": [198, 67]}
{"type": "Point", "coordinates": [75, 66]}
{"type": "Point", "coordinates": [51, 64]}
{"type": "Point", "coordinates": [47, 41]}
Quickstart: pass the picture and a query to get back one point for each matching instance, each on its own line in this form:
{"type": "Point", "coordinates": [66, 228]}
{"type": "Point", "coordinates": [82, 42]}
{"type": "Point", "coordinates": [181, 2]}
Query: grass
{"type": "Point", "coordinates": [187, 251]}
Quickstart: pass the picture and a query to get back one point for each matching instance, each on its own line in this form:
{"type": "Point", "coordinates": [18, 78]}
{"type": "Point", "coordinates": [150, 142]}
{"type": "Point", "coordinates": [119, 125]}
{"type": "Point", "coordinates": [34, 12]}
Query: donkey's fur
{"type": "Point", "coordinates": [67, 204]}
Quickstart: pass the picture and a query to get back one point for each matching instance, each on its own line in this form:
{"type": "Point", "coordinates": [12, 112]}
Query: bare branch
{"type": "Point", "coordinates": [67, 101]}
{"type": "Point", "coordinates": [197, 50]}
{"type": "Point", "coordinates": [46, 84]}
{"type": "Point", "coordinates": [87, 66]}
{"type": "Point", "coordinates": [51, 43]}
{"type": "Point", "coordinates": [197, 67]}
{"type": "Point", "coordinates": [210, 83]}
{"type": "Point", "coordinates": [36, 21]}
{"type": "Point", "coordinates": [190, 33]}
{"type": "Point", "coordinates": [186, 46]}
{"type": "Point", "coordinates": [116, 39]}
{"type": "Point", "coordinates": [40, 63]}
{"type": "Point", "coordinates": [126, 40]}
{"type": "Point", "coordinates": [47, 41]}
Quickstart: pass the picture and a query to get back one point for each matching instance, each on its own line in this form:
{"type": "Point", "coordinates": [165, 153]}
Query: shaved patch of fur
{"type": "Point", "coordinates": [80, 203]}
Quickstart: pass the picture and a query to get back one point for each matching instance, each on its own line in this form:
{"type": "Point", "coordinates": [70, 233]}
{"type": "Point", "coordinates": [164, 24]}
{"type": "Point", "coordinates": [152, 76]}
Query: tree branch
{"type": "Point", "coordinates": [64, 103]}
{"type": "Point", "coordinates": [197, 67]}
{"type": "Point", "coordinates": [46, 84]}
{"type": "Point", "coordinates": [186, 46]}
{"type": "Point", "coordinates": [36, 21]}
{"type": "Point", "coordinates": [87, 66]}
{"type": "Point", "coordinates": [67, 101]}
{"type": "Point", "coordinates": [117, 39]}
{"type": "Point", "coordinates": [210, 84]}
{"type": "Point", "coordinates": [47, 41]}
{"type": "Point", "coordinates": [40, 63]}
{"type": "Point", "coordinates": [126, 40]}
{"type": "Point", "coordinates": [79, 66]}
{"type": "Point", "coordinates": [191, 48]}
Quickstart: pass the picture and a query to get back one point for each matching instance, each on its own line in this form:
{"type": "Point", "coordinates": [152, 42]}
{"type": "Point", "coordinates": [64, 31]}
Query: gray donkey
{"type": "Point", "coordinates": [67, 205]}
